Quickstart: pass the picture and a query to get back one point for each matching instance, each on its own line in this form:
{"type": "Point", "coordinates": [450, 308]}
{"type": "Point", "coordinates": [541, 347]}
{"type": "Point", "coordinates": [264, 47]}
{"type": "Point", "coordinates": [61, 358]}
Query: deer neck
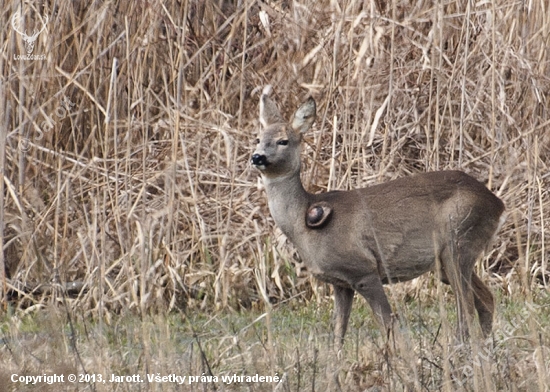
{"type": "Point", "coordinates": [288, 201]}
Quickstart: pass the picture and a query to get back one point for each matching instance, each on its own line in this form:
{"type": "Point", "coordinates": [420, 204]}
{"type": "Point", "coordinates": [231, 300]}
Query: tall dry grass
{"type": "Point", "coordinates": [125, 152]}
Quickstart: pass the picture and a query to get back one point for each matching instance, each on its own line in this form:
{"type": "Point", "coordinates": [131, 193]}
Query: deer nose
{"type": "Point", "coordinates": [259, 160]}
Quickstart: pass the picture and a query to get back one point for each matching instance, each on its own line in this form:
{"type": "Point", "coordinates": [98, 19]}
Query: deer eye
{"type": "Point", "coordinates": [282, 142]}
{"type": "Point", "coordinates": [258, 141]}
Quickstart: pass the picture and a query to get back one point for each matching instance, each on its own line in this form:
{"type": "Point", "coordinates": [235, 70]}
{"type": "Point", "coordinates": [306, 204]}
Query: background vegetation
{"type": "Point", "coordinates": [129, 204]}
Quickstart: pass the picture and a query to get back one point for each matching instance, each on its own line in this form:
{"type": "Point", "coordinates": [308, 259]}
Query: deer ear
{"type": "Point", "coordinates": [304, 116]}
{"type": "Point", "coordinates": [269, 114]}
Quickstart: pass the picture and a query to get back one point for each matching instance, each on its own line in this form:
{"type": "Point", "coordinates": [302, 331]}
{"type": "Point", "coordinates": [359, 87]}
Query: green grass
{"type": "Point", "coordinates": [227, 343]}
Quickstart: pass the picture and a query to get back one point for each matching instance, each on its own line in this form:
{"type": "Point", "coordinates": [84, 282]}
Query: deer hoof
{"type": "Point", "coordinates": [317, 214]}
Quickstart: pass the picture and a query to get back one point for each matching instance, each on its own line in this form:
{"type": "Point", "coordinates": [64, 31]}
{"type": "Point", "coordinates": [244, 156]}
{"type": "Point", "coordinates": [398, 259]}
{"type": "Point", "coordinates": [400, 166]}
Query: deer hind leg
{"type": "Point", "coordinates": [484, 303]}
{"type": "Point", "coordinates": [458, 270]}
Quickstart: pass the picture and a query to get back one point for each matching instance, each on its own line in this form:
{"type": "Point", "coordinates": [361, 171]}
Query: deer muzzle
{"type": "Point", "coordinates": [259, 160]}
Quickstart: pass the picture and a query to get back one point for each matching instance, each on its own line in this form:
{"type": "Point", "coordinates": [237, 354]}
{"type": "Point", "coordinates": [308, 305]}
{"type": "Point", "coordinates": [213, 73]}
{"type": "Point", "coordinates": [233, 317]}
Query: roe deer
{"type": "Point", "coordinates": [360, 239]}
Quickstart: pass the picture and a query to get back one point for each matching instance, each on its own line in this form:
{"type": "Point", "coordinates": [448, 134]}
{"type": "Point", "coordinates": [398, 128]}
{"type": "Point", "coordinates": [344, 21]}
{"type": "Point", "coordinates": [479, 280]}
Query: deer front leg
{"type": "Point", "coordinates": [371, 288]}
{"type": "Point", "coordinates": [343, 299]}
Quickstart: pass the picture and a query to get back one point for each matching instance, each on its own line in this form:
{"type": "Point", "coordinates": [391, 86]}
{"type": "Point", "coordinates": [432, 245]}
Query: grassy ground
{"type": "Point", "coordinates": [128, 197]}
{"type": "Point", "coordinates": [291, 342]}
